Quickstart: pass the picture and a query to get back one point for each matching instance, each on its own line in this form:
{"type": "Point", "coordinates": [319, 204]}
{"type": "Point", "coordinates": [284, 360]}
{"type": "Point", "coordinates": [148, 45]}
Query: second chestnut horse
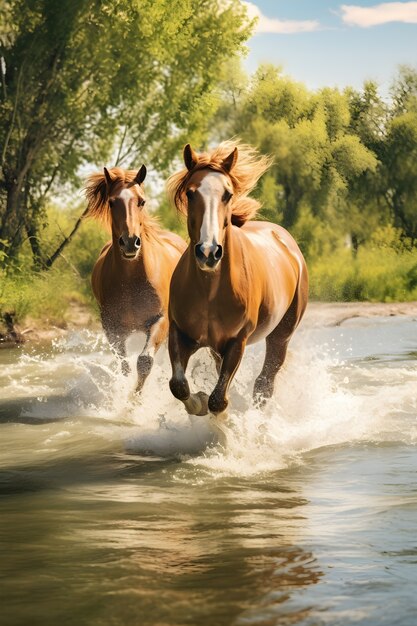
{"type": "Point", "coordinates": [131, 277]}
{"type": "Point", "coordinates": [238, 282]}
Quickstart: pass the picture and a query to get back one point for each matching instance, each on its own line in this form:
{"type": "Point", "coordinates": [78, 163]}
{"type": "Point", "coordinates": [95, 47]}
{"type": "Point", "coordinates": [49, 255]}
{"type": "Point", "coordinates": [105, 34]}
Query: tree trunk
{"type": "Point", "coordinates": [10, 222]}
{"type": "Point", "coordinates": [290, 211]}
{"type": "Point", "coordinates": [35, 244]}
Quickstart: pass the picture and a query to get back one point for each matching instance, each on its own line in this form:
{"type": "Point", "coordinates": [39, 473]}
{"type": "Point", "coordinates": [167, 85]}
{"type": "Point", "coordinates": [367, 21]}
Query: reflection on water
{"type": "Point", "coordinates": [123, 512]}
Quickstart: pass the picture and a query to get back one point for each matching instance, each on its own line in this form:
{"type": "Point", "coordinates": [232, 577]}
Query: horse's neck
{"type": "Point", "coordinates": [235, 263]}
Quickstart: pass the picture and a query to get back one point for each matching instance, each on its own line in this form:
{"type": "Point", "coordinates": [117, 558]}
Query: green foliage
{"type": "Point", "coordinates": [390, 132]}
{"type": "Point", "coordinates": [43, 296]}
{"type": "Point", "coordinates": [170, 219]}
{"type": "Point", "coordinates": [82, 252]}
{"type": "Point", "coordinates": [316, 154]}
{"type": "Point", "coordinates": [46, 296]}
{"type": "Point", "coordinates": [383, 270]}
{"type": "Point", "coordinates": [85, 81]}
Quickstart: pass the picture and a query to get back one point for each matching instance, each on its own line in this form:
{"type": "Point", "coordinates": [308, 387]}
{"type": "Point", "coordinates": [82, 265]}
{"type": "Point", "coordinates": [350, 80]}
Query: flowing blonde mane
{"type": "Point", "coordinates": [249, 167]}
{"type": "Point", "coordinates": [97, 192]}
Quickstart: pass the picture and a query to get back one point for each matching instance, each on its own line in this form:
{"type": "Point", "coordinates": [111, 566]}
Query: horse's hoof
{"type": "Point", "coordinates": [217, 406]}
{"type": "Point", "coordinates": [197, 403]}
{"type": "Point", "coordinates": [144, 365]}
{"type": "Point", "coordinates": [262, 391]}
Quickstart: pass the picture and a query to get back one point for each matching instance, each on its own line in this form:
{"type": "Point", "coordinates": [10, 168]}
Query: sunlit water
{"type": "Point", "coordinates": [116, 511]}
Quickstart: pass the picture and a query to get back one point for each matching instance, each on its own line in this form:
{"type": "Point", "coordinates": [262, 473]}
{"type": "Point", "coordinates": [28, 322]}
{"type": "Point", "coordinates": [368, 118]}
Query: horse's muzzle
{"type": "Point", "coordinates": [208, 259]}
{"type": "Point", "coordinates": [129, 246]}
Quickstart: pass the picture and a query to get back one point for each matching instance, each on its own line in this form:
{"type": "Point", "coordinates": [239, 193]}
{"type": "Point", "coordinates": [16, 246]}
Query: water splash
{"type": "Point", "coordinates": [320, 400]}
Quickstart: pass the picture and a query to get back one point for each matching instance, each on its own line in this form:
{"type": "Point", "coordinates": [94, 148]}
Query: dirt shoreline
{"type": "Point", "coordinates": [317, 314]}
{"type": "Point", "coordinates": [335, 313]}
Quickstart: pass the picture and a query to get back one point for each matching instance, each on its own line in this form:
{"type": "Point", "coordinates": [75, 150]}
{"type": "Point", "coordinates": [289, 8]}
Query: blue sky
{"type": "Point", "coordinates": [335, 43]}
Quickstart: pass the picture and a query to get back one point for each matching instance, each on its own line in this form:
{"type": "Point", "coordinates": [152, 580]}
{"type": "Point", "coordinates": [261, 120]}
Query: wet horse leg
{"type": "Point", "coordinates": [231, 360]}
{"type": "Point", "coordinates": [181, 348]}
{"type": "Point", "coordinates": [155, 334]}
{"type": "Point", "coordinates": [276, 351]}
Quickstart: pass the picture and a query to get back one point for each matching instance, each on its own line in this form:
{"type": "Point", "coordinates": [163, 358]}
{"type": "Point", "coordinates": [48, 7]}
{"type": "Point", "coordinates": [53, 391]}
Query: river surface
{"type": "Point", "coordinates": [121, 512]}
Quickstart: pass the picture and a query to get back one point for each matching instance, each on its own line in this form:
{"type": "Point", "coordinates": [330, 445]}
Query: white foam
{"type": "Point", "coordinates": [318, 401]}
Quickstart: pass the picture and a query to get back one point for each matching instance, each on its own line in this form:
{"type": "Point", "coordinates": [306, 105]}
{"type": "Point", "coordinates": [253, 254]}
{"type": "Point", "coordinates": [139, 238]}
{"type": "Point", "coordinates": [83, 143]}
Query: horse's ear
{"type": "Point", "coordinates": [140, 176]}
{"type": "Point", "coordinates": [109, 179]}
{"type": "Point", "coordinates": [190, 157]}
{"type": "Point", "coordinates": [230, 161]}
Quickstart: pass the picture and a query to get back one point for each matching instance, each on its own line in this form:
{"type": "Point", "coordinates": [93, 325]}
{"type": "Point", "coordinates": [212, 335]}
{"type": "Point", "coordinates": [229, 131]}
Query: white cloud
{"type": "Point", "coordinates": [284, 27]}
{"type": "Point", "coordinates": [379, 14]}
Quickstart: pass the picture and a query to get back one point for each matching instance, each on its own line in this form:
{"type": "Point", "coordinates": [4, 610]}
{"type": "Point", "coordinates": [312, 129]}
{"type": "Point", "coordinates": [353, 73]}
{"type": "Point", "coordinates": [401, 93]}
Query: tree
{"type": "Point", "coordinates": [390, 132]}
{"type": "Point", "coordinates": [316, 155]}
{"type": "Point", "coordinates": [77, 75]}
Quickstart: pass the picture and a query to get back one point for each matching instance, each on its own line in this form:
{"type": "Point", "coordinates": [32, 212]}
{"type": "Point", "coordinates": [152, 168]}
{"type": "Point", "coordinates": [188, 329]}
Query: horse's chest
{"type": "Point", "coordinates": [130, 308]}
{"type": "Point", "coordinates": [213, 325]}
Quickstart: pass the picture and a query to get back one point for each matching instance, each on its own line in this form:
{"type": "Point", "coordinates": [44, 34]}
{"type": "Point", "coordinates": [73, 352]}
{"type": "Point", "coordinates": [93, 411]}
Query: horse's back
{"type": "Point", "coordinates": [277, 248]}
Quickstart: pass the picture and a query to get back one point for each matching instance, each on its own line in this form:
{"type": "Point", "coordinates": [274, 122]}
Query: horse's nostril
{"type": "Point", "coordinates": [121, 242]}
{"type": "Point", "coordinates": [199, 252]}
{"type": "Point", "coordinates": [137, 242]}
{"type": "Point", "coordinates": [218, 253]}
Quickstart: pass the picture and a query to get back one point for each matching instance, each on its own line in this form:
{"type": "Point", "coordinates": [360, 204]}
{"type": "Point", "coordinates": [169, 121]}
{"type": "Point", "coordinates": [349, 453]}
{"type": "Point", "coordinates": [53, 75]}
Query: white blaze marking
{"type": "Point", "coordinates": [126, 195]}
{"type": "Point", "coordinates": [210, 232]}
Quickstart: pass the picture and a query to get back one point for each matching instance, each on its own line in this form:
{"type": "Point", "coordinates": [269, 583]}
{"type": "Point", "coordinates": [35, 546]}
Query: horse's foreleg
{"type": "Point", "coordinates": [154, 337]}
{"type": "Point", "coordinates": [181, 348]}
{"type": "Point", "coordinates": [231, 359]}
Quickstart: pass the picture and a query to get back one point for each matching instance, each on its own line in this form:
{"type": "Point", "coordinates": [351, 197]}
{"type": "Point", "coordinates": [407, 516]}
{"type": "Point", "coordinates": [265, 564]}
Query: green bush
{"type": "Point", "coordinates": [43, 296]}
{"type": "Point", "coordinates": [46, 295]}
{"type": "Point", "coordinates": [383, 271]}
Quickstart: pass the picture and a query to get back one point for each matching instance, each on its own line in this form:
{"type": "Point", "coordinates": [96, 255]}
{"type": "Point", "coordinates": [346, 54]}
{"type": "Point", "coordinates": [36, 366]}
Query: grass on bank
{"type": "Point", "coordinates": [45, 296]}
{"type": "Point", "coordinates": [383, 270]}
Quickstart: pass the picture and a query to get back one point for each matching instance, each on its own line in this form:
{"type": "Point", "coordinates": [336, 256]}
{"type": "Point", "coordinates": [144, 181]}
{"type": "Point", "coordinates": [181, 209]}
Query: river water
{"type": "Point", "coordinates": [115, 511]}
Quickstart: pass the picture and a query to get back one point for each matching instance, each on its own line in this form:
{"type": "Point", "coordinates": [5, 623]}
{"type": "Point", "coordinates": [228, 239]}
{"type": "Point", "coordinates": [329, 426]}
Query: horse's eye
{"type": "Point", "coordinates": [190, 194]}
{"type": "Point", "coordinates": [227, 196]}
{"type": "Point", "coordinates": [141, 202]}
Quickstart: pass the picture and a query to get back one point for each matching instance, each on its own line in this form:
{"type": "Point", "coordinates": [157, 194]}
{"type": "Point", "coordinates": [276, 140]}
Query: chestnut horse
{"type": "Point", "coordinates": [238, 282]}
{"type": "Point", "coordinates": [131, 277]}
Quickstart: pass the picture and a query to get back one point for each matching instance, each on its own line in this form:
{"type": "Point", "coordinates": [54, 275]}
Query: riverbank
{"type": "Point", "coordinates": [318, 314]}
{"type": "Point", "coordinates": [336, 313]}
{"type": "Point", "coordinates": [77, 317]}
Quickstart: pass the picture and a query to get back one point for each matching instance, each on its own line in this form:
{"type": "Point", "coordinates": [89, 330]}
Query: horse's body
{"type": "Point", "coordinates": [234, 285]}
{"type": "Point", "coordinates": [131, 277]}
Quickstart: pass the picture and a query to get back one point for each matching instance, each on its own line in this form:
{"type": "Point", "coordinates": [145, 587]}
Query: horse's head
{"type": "Point", "coordinates": [209, 193]}
{"type": "Point", "coordinates": [126, 201]}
